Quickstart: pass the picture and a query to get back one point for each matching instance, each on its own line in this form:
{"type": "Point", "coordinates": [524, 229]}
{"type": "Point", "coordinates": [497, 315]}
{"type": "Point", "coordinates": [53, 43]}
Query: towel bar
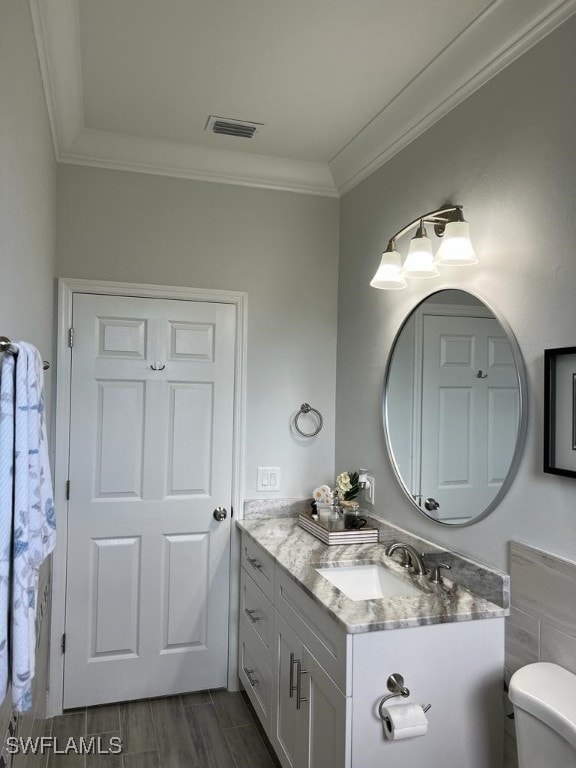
{"type": "Point", "coordinates": [6, 346]}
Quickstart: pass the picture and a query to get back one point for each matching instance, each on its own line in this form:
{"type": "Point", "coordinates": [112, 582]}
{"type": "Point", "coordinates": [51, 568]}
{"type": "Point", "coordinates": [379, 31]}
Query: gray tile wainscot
{"type": "Point", "coordinates": [542, 622]}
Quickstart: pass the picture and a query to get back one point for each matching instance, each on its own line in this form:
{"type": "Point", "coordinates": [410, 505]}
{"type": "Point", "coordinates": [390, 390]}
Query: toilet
{"type": "Point", "coordinates": [544, 699]}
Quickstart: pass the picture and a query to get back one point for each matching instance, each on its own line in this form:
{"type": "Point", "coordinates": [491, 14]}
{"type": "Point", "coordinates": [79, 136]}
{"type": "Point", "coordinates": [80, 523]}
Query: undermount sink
{"type": "Point", "coordinates": [368, 582]}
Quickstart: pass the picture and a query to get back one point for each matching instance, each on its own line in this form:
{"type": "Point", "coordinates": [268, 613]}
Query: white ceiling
{"type": "Point", "coordinates": [313, 72]}
{"type": "Point", "coordinates": [339, 85]}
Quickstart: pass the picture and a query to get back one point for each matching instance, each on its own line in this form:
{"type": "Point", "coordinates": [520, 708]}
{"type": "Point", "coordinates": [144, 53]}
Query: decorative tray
{"type": "Point", "coordinates": [330, 534]}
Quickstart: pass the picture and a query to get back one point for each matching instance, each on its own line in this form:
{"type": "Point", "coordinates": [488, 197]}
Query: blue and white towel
{"type": "Point", "coordinates": [28, 502]}
{"type": "Point", "coordinates": [7, 402]}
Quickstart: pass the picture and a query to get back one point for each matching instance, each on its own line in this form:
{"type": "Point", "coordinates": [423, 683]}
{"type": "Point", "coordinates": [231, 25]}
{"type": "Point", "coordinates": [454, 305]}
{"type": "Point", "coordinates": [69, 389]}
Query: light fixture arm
{"type": "Point", "coordinates": [439, 218]}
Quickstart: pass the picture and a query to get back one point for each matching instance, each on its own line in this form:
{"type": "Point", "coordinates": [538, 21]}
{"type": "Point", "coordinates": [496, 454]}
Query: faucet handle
{"type": "Point", "coordinates": [435, 575]}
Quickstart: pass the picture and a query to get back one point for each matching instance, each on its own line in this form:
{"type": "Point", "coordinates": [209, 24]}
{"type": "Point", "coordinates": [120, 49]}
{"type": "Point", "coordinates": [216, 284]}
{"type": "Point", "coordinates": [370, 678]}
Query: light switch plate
{"type": "Point", "coordinates": [268, 479]}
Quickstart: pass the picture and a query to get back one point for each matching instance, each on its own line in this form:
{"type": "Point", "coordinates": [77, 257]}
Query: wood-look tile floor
{"type": "Point", "coordinates": [208, 729]}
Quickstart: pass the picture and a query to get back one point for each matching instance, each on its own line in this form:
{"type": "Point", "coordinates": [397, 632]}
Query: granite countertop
{"type": "Point", "coordinates": [298, 553]}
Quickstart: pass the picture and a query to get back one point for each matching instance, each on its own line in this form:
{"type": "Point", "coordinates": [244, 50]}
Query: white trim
{"type": "Point", "coordinates": [503, 32]}
{"type": "Point", "coordinates": [57, 31]}
{"type": "Point", "coordinates": [66, 290]}
{"type": "Point", "coordinates": [453, 310]}
{"type": "Point", "coordinates": [506, 30]}
{"type": "Point", "coordinates": [132, 153]}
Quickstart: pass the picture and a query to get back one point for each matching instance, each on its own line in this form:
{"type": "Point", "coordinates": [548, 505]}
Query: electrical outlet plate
{"type": "Point", "coordinates": [370, 490]}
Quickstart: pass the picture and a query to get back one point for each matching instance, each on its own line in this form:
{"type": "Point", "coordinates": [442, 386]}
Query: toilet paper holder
{"type": "Point", "coordinates": [395, 685]}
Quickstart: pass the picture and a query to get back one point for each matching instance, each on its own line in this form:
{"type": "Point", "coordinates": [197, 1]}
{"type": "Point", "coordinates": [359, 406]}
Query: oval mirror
{"type": "Point", "coordinates": [455, 407]}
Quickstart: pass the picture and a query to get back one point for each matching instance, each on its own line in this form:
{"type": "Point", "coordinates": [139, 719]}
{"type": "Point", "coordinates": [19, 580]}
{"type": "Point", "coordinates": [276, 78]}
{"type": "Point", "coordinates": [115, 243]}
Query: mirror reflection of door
{"type": "Point", "coordinates": [453, 412]}
{"type": "Point", "coordinates": [469, 415]}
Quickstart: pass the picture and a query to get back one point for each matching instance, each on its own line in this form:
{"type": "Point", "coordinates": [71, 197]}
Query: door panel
{"type": "Point", "coordinates": [150, 459]}
{"type": "Point", "coordinates": [454, 434]}
{"type": "Point", "coordinates": [186, 561]}
{"type": "Point", "coordinates": [114, 596]}
{"type": "Point", "coordinates": [120, 439]}
{"type": "Point", "coordinates": [190, 439]}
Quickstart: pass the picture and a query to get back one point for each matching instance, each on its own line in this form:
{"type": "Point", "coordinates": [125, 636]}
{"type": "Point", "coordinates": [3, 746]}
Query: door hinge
{"type": "Point", "coordinates": [63, 643]}
{"type": "Point", "coordinates": [231, 511]}
{"type": "Point", "coordinates": [67, 490]}
{"type": "Point", "coordinates": [70, 337]}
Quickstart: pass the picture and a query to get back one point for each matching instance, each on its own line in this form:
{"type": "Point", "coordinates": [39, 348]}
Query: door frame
{"type": "Point", "coordinates": [67, 287]}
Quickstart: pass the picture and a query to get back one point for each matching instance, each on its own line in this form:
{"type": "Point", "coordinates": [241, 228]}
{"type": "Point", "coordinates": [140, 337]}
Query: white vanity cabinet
{"type": "Point", "coordinates": [316, 687]}
{"type": "Point", "coordinates": [304, 712]}
{"type": "Point", "coordinates": [312, 714]}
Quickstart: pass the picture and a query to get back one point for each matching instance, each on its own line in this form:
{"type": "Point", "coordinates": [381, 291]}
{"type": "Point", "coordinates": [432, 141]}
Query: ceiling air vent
{"type": "Point", "coordinates": [228, 126]}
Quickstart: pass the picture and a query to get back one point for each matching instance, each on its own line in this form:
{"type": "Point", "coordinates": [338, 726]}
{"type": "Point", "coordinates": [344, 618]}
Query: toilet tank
{"type": "Point", "coordinates": [544, 698]}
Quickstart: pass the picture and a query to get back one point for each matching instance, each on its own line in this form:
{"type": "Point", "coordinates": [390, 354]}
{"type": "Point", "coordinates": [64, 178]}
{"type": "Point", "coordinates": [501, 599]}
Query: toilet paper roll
{"type": "Point", "coordinates": [404, 721]}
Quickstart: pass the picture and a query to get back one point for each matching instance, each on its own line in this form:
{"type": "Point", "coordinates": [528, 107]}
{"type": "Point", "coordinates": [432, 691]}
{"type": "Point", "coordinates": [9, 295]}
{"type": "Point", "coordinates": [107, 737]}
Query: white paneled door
{"type": "Point", "coordinates": [151, 442]}
{"type": "Point", "coordinates": [471, 400]}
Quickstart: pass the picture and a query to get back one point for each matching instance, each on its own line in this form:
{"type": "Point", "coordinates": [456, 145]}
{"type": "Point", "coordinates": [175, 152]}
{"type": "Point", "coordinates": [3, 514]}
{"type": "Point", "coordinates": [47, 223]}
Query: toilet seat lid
{"type": "Point", "coordinates": [548, 692]}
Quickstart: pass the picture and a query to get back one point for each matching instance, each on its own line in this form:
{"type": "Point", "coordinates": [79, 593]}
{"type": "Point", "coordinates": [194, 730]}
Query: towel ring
{"type": "Point", "coordinates": [306, 408]}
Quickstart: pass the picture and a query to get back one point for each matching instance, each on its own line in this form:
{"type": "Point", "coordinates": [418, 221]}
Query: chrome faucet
{"type": "Point", "coordinates": [415, 559]}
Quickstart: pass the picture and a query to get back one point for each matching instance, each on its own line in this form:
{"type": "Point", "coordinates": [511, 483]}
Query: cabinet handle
{"type": "Point", "coordinates": [250, 613]}
{"type": "Point", "coordinates": [292, 687]}
{"type": "Point", "coordinates": [249, 673]}
{"type": "Point", "coordinates": [299, 673]}
{"type": "Point", "coordinates": [254, 562]}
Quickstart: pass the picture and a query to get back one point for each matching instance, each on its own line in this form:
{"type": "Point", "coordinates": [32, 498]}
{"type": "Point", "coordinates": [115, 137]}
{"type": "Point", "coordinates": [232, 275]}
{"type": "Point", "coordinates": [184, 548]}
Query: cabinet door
{"type": "Point", "coordinates": [325, 718]}
{"type": "Point", "coordinates": [286, 718]}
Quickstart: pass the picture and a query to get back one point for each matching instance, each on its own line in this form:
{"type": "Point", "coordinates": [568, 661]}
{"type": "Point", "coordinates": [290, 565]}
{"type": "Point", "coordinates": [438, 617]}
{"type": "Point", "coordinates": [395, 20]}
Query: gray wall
{"type": "Point", "coordinates": [279, 247]}
{"type": "Point", "coordinates": [27, 232]}
{"type": "Point", "coordinates": [27, 186]}
{"type": "Point", "coordinates": [507, 154]}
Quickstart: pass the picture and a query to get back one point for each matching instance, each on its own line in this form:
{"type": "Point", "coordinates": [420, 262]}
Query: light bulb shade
{"type": "Point", "coordinates": [456, 249]}
{"type": "Point", "coordinates": [388, 276]}
{"type": "Point", "coordinates": [420, 259]}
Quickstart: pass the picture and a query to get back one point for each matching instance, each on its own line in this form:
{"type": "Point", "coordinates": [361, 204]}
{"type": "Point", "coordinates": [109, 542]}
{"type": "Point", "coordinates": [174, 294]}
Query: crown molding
{"type": "Point", "coordinates": [132, 153]}
{"type": "Point", "coordinates": [57, 32]}
{"type": "Point", "coordinates": [505, 30]}
{"type": "Point", "coordinates": [502, 33]}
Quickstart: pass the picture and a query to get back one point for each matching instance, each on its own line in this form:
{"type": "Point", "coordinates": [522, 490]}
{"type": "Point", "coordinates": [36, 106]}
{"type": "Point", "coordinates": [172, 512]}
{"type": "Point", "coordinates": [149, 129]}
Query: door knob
{"type": "Point", "coordinates": [219, 514]}
{"type": "Point", "coordinates": [431, 504]}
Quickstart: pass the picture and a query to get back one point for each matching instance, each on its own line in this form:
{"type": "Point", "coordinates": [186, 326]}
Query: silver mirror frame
{"type": "Point", "coordinates": [523, 405]}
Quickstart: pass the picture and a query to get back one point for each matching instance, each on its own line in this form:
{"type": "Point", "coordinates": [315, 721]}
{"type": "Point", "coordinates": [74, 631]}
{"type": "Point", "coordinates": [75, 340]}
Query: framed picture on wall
{"type": "Point", "coordinates": [560, 411]}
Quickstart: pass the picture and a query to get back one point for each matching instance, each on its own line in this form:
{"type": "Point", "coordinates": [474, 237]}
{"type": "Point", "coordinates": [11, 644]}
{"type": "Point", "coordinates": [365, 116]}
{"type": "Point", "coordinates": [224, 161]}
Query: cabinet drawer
{"type": "Point", "coordinates": [257, 610]}
{"type": "Point", "coordinates": [255, 674]}
{"type": "Point", "coordinates": [259, 565]}
{"type": "Point", "coordinates": [325, 639]}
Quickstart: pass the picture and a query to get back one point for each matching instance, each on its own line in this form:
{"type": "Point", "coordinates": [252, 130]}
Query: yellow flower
{"type": "Point", "coordinates": [343, 482]}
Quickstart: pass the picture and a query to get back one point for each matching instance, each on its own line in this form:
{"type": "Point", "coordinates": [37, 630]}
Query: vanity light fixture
{"type": "Point", "coordinates": [456, 249]}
